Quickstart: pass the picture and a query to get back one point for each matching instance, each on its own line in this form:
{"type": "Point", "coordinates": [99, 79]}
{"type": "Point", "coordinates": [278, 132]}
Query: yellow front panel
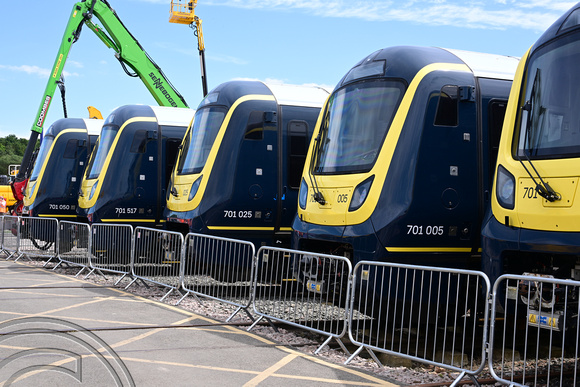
{"type": "Point", "coordinates": [335, 208]}
{"type": "Point", "coordinates": [535, 212]}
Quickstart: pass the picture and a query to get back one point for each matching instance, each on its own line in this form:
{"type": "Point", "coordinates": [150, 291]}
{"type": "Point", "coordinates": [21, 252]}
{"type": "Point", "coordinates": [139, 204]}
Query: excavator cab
{"type": "Point", "coordinates": [182, 12]}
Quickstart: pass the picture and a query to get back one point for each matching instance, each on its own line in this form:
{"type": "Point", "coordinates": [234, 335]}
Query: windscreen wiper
{"type": "Point", "coordinates": [542, 188]}
{"type": "Point", "coordinates": [318, 197]}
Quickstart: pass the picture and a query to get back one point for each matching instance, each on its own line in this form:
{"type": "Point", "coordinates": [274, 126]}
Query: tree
{"type": "Point", "coordinates": [11, 151]}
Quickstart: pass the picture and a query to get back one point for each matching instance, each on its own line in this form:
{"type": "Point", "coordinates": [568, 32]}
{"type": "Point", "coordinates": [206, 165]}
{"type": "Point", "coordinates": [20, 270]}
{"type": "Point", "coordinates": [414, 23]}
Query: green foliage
{"type": "Point", "coordinates": [11, 151]}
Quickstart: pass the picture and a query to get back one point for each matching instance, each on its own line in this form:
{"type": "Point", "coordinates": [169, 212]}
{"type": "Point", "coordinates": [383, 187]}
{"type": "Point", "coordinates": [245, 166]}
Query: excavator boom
{"type": "Point", "coordinates": [133, 58]}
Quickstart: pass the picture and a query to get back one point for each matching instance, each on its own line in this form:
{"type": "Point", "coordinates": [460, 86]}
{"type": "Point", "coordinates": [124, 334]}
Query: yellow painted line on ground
{"type": "Point", "coordinates": [274, 375]}
{"type": "Point", "coordinates": [26, 292]}
{"type": "Point", "coordinates": [270, 370]}
{"type": "Point", "coordinates": [233, 330]}
{"type": "Point", "coordinates": [339, 367]}
{"type": "Point", "coordinates": [72, 306]}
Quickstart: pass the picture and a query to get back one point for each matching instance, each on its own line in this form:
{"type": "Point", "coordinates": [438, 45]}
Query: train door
{"type": "Point", "coordinates": [447, 180]}
{"type": "Point", "coordinates": [143, 171]}
{"type": "Point", "coordinates": [257, 173]}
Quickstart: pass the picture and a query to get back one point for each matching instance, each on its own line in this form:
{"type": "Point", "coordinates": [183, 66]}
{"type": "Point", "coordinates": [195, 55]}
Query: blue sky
{"type": "Point", "coordinates": [282, 41]}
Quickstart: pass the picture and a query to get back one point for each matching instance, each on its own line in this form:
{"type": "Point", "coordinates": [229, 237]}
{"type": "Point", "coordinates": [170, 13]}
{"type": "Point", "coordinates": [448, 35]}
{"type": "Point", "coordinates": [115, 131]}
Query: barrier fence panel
{"type": "Point", "coordinates": [218, 268]}
{"type": "Point", "coordinates": [110, 248]}
{"type": "Point", "coordinates": [306, 290]}
{"type": "Point", "coordinates": [73, 244]}
{"type": "Point", "coordinates": [426, 314]}
{"type": "Point", "coordinates": [157, 257]}
{"type": "Point", "coordinates": [10, 227]}
{"type": "Point", "coordinates": [536, 341]}
{"type": "Point", "coordinates": [38, 237]}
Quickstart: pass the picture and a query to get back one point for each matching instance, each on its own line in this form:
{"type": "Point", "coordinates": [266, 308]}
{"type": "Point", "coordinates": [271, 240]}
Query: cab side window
{"type": "Point", "coordinates": [447, 107]}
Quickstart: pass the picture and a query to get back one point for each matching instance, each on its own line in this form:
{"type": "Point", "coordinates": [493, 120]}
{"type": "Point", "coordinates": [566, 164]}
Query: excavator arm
{"type": "Point", "coordinates": [133, 58]}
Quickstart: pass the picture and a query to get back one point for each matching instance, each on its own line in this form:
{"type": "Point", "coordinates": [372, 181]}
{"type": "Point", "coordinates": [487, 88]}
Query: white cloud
{"type": "Point", "coordinates": [35, 70]}
{"type": "Point", "coordinates": [498, 14]}
{"type": "Point", "coordinates": [275, 81]}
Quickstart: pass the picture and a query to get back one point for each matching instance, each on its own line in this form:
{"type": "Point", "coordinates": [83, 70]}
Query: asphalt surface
{"type": "Point", "coordinates": [58, 330]}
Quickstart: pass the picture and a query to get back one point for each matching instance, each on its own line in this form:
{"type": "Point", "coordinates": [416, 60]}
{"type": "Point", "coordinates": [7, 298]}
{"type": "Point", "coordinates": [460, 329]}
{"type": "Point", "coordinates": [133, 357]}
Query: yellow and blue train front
{"type": "Point", "coordinates": [534, 222]}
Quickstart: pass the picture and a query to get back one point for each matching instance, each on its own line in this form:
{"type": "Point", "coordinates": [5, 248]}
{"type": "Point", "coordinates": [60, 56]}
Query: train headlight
{"type": "Point", "coordinates": [93, 189]}
{"type": "Point", "coordinates": [194, 188]}
{"type": "Point", "coordinates": [360, 194]}
{"type": "Point", "coordinates": [303, 194]}
{"type": "Point", "coordinates": [505, 188]}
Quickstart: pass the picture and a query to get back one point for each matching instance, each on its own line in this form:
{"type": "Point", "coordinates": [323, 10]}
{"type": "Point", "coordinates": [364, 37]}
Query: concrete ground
{"type": "Point", "coordinates": [62, 331]}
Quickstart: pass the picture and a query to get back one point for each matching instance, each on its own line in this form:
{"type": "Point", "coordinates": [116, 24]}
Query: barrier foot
{"type": "Point", "coordinates": [48, 261]}
{"type": "Point", "coordinates": [187, 294]}
{"type": "Point", "coordinates": [89, 274]}
{"type": "Point", "coordinates": [237, 311]}
{"type": "Point", "coordinates": [120, 279]}
{"type": "Point", "coordinates": [355, 354]}
{"type": "Point", "coordinates": [322, 345]}
{"type": "Point", "coordinates": [461, 376]}
{"type": "Point", "coordinates": [20, 255]}
{"type": "Point", "coordinates": [131, 283]}
{"type": "Point", "coordinates": [182, 298]}
{"type": "Point", "coordinates": [375, 358]}
{"type": "Point", "coordinates": [79, 273]}
{"type": "Point", "coordinates": [255, 323]}
{"type": "Point", "coordinates": [10, 256]}
{"type": "Point", "coordinates": [166, 294]}
{"type": "Point", "coordinates": [327, 341]}
{"type": "Point", "coordinates": [57, 265]}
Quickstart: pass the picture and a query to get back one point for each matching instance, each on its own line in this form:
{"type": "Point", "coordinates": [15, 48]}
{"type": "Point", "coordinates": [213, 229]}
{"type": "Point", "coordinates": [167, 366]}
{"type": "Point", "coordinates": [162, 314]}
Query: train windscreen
{"type": "Point", "coordinates": [356, 121]}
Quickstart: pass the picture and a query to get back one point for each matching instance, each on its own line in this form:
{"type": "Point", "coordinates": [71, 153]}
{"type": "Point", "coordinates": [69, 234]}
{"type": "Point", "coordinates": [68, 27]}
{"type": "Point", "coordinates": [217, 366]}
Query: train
{"type": "Point", "coordinates": [126, 179]}
{"type": "Point", "coordinates": [54, 182]}
{"type": "Point", "coordinates": [532, 226]}
{"type": "Point", "coordinates": [401, 163]}
{"type": "Point", "coordinates": [240, 164]}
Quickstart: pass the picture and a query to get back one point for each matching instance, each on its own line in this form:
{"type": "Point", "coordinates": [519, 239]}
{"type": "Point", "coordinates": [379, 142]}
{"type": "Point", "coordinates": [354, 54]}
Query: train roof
{"type": "Point", "coordinates": [172, 116]}
{"type": "Point", "coordinates": [297, 95]}
{"type": "Point", "coordinates": [488, 65]}
{"type": "Point", "coordinates": [568, 22]}
{"type": "Point", "coordinates": [93, 125]}
{"type": "Point", "coordinates": [405, 62]}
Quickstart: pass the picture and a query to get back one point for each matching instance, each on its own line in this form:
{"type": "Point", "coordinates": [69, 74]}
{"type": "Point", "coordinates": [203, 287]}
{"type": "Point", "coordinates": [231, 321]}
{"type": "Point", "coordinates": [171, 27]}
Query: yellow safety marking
{"type": "Point", "coordinates": [260, 376]}
{"type": "Point", "coordinates": [52, 216]}
{"type": "Point", "coordinates": [285, 376]}
{"type": "Point", "coordinates": [338, 367]}
{"type": "Point", "coordinates": [24, 291]}
{"type": "Point", "coordinates": [429, 249]}
{"type": "Point", "coordinates": [128, 220]}
{"type": "Point", "coordinates": [72, 306]}
{"type": "Point", "coordinates": [270, 370]}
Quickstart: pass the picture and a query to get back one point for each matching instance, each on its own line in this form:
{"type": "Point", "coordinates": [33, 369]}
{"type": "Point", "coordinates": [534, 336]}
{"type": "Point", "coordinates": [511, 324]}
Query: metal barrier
{"type": "Point", "coordinates": [306, 290]}
{"type": "Point", "coordinates": [10, 228]}
{"type": "Point", "coordinates": [73, 245]}
{"type": "Point", "coordinates": [425, 314]}
{"type": "Point", "coordinates": [157, 257]}
{"type": "Point", "coordinates": [537, 340]}
{"type": "Point", "coordinates": [110, 248]}
{"type": "Point", "coordinates": [38, 238]}
{"type": "Point", "coordinates": [219, 269]}
{"type": "Point", "coordinates": [437, 316]}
